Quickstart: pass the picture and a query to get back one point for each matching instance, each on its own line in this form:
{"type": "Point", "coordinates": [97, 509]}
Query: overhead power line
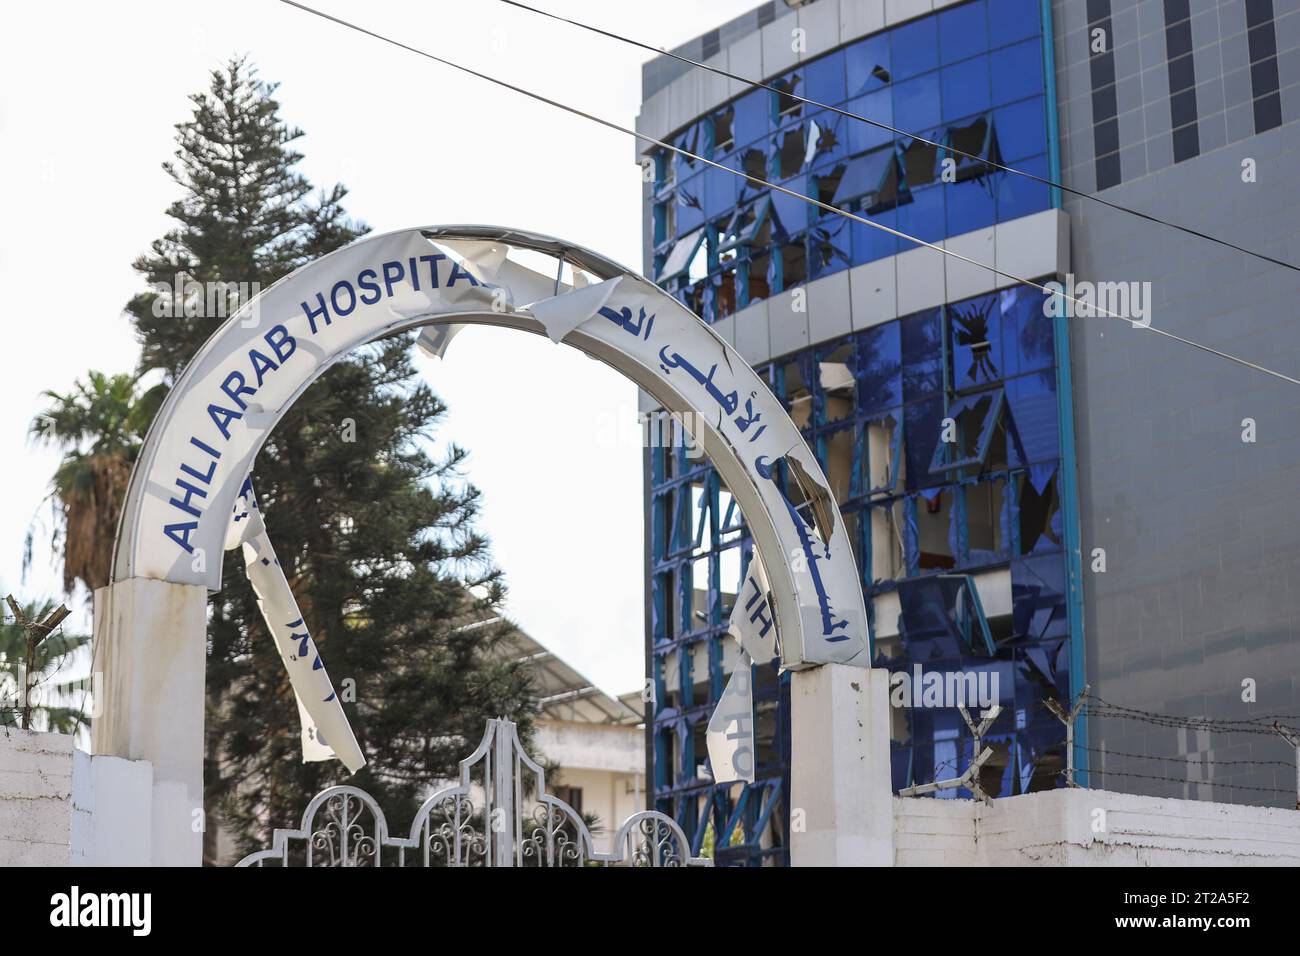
{"type": "Point", "coordinates": [790, 94]}
{"type": "Point", "coordinates": [826, 207]}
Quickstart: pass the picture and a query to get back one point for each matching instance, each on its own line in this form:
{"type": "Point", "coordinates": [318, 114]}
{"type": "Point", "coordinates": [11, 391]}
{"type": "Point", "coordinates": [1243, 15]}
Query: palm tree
{"type": "Point", "coordinates": [27, 675]}
{"type": "Point", "coordinates": [100, 426]}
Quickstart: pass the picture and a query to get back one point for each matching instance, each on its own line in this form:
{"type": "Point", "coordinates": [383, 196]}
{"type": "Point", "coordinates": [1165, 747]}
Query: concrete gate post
{"type": "Point", "coordinates": [149, 660]}
{"type": "Point", "coordinates": [841, 800]}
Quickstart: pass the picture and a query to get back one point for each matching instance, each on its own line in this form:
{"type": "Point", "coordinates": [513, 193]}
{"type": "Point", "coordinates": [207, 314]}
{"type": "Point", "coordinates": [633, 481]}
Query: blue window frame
{"type": "Point", "coordinates": [970, 78]}
{"type": "Point", "coordinates": [1017, 71]}
{"type": "Point", "coordinates": [975, 417]}
{"type": "Point", "coordinates": [963, 31]}
{"type": "Point", "coordinates": [914, 48]}
{"type": "Point", "coordinates": [878, 106]}
{"type": "Point", "coordinates": [916, 103]}
{"type": "Point", "coordinates": [1022, 129]}
{"type": "Point", "coordinates": [965, 88]}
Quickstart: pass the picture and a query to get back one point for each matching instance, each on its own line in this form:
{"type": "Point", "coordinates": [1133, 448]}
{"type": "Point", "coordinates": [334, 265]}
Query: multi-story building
{"type": "Point", "coordinates": [1037, 500]}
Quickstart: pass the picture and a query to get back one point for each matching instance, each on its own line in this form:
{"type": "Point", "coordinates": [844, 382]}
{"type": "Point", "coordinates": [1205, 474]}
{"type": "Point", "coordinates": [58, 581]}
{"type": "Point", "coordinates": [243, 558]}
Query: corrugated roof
{"type": "Point", "coordinates": [562, 692]}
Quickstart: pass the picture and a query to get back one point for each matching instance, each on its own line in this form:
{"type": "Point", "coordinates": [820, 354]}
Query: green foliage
{"type": "Point", "coordinates": [100, 426]}
{"type": "Point", "coordinates": [374, 531]}
{"type": "Point", "coordinates": [28, 670]}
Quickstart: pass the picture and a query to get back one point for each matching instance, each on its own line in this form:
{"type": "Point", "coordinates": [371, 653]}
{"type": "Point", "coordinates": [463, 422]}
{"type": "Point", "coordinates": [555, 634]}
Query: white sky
{"type": "Point", "coordinates": [89, 93]}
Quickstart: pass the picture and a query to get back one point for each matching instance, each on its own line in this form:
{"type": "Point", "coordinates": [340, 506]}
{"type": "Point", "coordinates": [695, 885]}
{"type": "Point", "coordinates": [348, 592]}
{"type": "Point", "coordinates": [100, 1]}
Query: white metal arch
{"type": "Point", "coordinates": [204, 441]}
{"type": "Point", "coordinates": [190, 486]}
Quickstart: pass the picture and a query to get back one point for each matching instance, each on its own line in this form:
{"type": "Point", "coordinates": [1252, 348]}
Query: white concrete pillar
{"type": "Point", "coordinates": [149, 655]}
{"type": "Point", "coordinates": [841, 802]}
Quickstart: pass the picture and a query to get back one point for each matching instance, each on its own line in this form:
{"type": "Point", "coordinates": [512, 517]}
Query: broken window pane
{"type": "Point", "coordinates": [1038, 590]}
{"type": "Point", "coordinates": [919, 161]}
{"type": "Point", "coordinates": [757, 268]}
{"type": "Point", "coordinates": [724, 294]}
{"type": "Point", "coordinates": [976, 336]}
{"type": "Point", "coordinates": [837, 449]}
{"type": "Point", "coordinates": [829, 247]}
{"type": "Point", "coordinates": [1040, 510]}
{"type": "Point", "coordinates": [978, 138]}
{"type": "Point", "coordinates": [812, 142]}
{"type": "Point", "coordinates": [874, 178]}
{"type": "Point", "coordinates": [690, 203]}
{"type": "Point", "coordinates": [1035, 417]}
{"type": "Point", "coordinates": [790, 152]}
{"type": "Point", "coordinates": [701, 515]}
{"type": "Point", "coordinates": [689, 141]}
{"type": "Point", "coordinates": [835, 374]}
{"type": "Point", "coordinates": [683, 256]}
{"type": "Point", "coordinates": [701, 588]}
{"type": "Point", "coordinates": [724, 136]}
{"type": "Point", "coordinates": [750, 224]}
{"type": "Point", "coordinates": [822, 140]}
{"type": "Point", "coordinates": [721, 190]}
{"type": "Point", "coordinates": [698, 267]}
{"type": "Point", "coordinates": [754, 163]}
{"type": "Point", "coordinates": [665, 606]}
{"type": "Point", "coordinates": [985, 503]}
{"type": "Point", "coordinates": [665, 221]}
{"type": "Point", "coordinates": [934, 545]}
{"type": "Point", "coordinates": [827, 182]}
{"type": "Point", "coordinates": [729, 576]}
{"type": "Point", "coordinates": [852, 518]}
{"type": "Point", "coordinates": [975, 418]}
{"type": "Point", "coordinates": [785, 103]}
{"type": "Point", "coordinates": [794, 263]}
{"type": "Point", "coordinates": [797, 396]}
{"type": "Point", "coordinates": [866, 64]}
{"type": "Point", "coordinates": [693, 297]}
{"type": "Point", "coordinates": [882, 439]}
{"type": "Point", "coordinates": [662, 161]}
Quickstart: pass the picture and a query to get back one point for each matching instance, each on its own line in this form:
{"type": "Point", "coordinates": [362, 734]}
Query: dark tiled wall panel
{"type": "Point", "coordinates": [1202, 584]}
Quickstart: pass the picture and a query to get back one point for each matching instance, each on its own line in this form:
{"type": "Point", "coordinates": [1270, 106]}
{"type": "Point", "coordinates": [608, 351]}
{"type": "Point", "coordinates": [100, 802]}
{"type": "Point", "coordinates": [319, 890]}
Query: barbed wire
{"type": "Point", "coordinates": [1184, 758]}
{"type": "Point", "coordinates": [1261, 724]}
{"type": "Point", "coordinates": [1182, 781]}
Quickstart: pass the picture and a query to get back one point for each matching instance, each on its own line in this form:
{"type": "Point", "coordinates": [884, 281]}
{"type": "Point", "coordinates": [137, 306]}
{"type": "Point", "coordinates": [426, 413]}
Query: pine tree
{"type": "Point", "coordinates": [375, 534]}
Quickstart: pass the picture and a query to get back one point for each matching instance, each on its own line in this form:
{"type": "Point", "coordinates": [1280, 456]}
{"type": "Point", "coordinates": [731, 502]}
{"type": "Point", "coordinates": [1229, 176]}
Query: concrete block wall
{"type": "Point", "coordinates": [35, 798]}
{"type": "Point", "coordinates": [60, 806]}
{"type": "Point", "coordinates": [112, 802]}
{"type": "Point", "coordinates": [1092, 828]}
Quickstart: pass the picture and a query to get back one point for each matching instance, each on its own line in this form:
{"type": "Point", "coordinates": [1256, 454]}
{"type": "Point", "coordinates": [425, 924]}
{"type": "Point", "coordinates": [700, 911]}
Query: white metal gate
{"type": "Point", "coordinates": [499, 814]}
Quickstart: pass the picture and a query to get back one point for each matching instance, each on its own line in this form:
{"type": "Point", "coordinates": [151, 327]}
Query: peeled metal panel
{"type": "Point", "coordinates": [206, 437]}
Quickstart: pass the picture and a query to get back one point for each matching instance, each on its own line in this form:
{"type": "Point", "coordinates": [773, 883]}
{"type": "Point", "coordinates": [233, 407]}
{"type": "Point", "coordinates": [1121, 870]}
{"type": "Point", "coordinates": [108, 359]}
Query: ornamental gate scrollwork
{"type": "Point", "coordinates": [498, 814]}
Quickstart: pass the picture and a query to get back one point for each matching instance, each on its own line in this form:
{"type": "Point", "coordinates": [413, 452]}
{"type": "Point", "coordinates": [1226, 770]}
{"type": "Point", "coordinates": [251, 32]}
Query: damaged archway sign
{"type": "Point", "coordinates": [191, 493]}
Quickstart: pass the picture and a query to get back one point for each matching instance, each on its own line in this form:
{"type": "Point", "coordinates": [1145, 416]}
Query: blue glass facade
{"type": "Point", "coordinates": [970, 76]}
{"type": "Point", "coordinates": [940, 432]}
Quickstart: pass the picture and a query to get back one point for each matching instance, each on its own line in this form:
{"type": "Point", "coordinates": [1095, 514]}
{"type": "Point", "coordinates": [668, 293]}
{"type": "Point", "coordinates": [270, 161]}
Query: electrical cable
{"type": "Point", "coordinates": [789, 94]}
{"type": "Point", "coordinates": [826, 207]}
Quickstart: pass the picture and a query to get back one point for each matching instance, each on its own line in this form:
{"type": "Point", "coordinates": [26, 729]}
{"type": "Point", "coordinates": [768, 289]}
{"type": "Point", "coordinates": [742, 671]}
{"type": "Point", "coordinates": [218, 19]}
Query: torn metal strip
{"type": "Point", "coordinates": [326, 733]}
